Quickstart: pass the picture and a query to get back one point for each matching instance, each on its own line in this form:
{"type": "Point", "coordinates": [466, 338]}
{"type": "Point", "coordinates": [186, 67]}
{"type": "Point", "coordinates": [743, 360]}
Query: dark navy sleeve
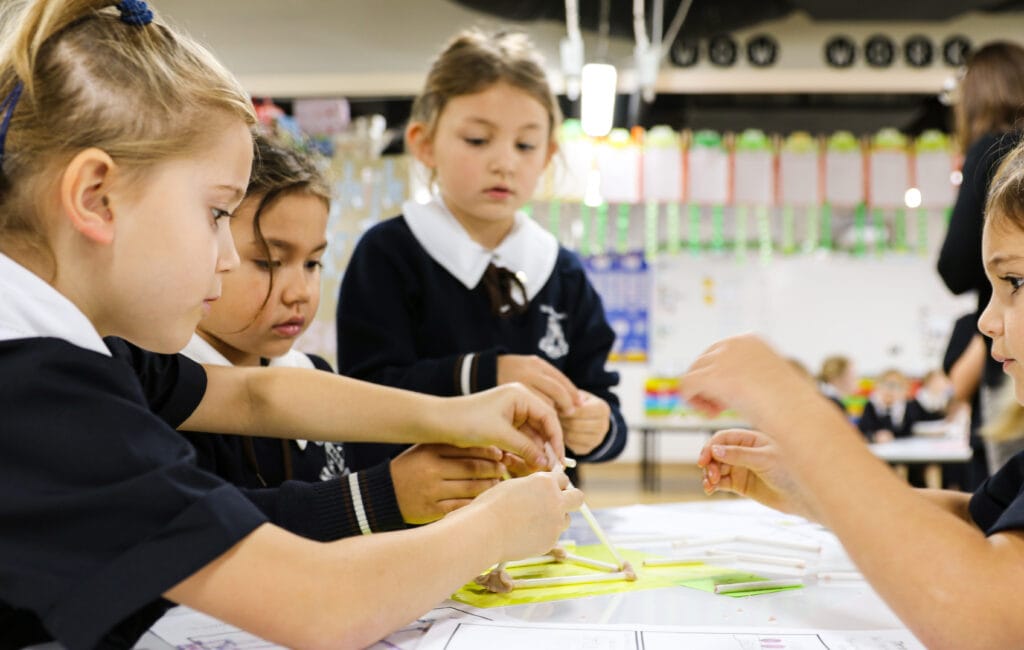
{"type": "Point", "coordinates": [104, 509]}
{"type": "Point", "coordinates": [590, 342]}
{"type": "Point", "coordinates": [378, 304]}
{"type": "Point", "coordinates": [998, 504]}
{"type": "Point", "coordinates": [329, 510]}
{"type": "Point", "coordinates": [174, 385]}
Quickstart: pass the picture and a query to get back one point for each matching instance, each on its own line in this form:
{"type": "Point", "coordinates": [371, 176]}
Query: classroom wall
{"type": "Point", "coordinates": [356, 48]}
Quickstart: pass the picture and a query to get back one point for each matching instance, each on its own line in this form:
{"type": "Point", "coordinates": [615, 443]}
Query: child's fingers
{"type": "Point", "coordinates": [564, 397]}
{"type": "Point", "coordinates": [465, 489]}
{"type": "Point", "coordinates": [517, 466]}
{"type": "Point", "coordinates": [753, 458]}
{"type": "Point", "coordinates": [486, 453]}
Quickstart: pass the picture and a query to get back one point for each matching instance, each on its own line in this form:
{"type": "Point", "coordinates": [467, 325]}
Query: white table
{"type": "Point", "coordinates": [929, 450]}
{"type": "Point", "coordinates": [847, 606]}
{"type": "Point", "coordinates": [650, 428]}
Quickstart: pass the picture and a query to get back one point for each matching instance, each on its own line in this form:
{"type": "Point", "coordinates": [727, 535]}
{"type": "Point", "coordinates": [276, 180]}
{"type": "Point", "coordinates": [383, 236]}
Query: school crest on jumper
{"type": "Point", "coordinates": [553, 344]}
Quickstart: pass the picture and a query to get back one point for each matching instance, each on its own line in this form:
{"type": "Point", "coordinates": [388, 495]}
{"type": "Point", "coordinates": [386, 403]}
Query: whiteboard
{"type": "Point", "coordinates": [882, 311]}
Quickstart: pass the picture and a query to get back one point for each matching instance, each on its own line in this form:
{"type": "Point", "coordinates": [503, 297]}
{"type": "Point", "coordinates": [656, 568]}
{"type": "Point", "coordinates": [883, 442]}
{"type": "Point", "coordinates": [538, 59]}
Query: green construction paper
{"type": "Point", "coordinates": [707, 139]}
{"type": "Point", "coordinates": [878, 216]}
{"type": "Point", "coordinates": [555, 218]}
{"type": "Point", "coordinates": [900, 228]}
{"type": "Point", "coordinates": [889, 139]}
{"type": "Point", "coordinates": [662, 137]}
{"type": "Point", "coordinates": [859, 224]}
{"type": "Point", "coordinates": [788, 229]}
{"type": "Point", "coordinates": [922, 231]}
{"type": "Point", "coordinates": [800, 142]}
{"type": "Point", "coordinates": [585, 231]}
{"type": "Point", "coordinates": [696, 576]}
{"type": "Point", "coordinates": [932, 140]}
{"type": "Point", "coordinates": [694, 230]}
{"type": "Point", "coordinates": [622, 229]}
{"type": "Point", "coordinates": [843, 141]}
{"type": "Point", "coordinates": [825, 232]}
{"type": "Point", "coordinates": [753, 140]}
{"type": "Point", "coordinates": [672, 227]}
{"type": "Point", "coordinates": [740, 242]}
{"type": "Point", "coordinates": [764, 233]}
{"type": "Point", "coordinates": [717, 228]}
{"type": "Point", "coordinates": [651, 230]}
{"type": "Point", "coordinates": [601, 229]}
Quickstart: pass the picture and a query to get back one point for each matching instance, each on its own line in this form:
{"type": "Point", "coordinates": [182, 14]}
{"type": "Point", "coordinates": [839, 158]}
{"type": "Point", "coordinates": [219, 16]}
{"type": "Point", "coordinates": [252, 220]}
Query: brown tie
{"type": "Point", "coordinates": [506, 291]}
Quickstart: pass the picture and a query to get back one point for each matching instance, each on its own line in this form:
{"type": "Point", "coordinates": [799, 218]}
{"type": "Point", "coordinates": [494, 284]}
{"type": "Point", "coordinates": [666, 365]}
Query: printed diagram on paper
{"type": "Point", "coordinates": [466, 635]}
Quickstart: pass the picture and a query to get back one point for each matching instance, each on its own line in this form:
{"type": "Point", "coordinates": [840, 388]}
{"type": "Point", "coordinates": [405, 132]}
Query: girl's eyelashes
{"type": "Point", "coordinates": [266, 265]}
{"type": "Point", "coordinates": [314, 265]}
{"type": "Point", "coordinates": [475, 142]}
{"type": "Point", "coordinates": [1015, 282]}
{"type": "Point", "coordinates": [525, 146]}
{"type": "Point", "coordinates": [219, 214]}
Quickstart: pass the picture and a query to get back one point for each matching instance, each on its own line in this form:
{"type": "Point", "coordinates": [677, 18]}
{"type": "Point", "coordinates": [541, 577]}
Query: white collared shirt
{"type": "Point", "coordinates": [31, 308]}
{"type": "Point", "coordinates": [527, 248]}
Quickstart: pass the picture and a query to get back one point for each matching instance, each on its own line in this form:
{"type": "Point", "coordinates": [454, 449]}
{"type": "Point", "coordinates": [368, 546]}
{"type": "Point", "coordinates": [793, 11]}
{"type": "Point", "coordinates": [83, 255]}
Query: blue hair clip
{"type": "Point", "coordinates": [7, 106]}
{"type": "Point", "coordinates": [135, 12]}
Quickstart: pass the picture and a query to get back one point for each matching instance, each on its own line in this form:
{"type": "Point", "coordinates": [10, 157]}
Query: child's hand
{"type": "Point", "coordinates": [509, 417]}
{"type": "Point", "coordinates": [587, 426]}
{"type": "Point", "coordinates": [432, 480]}
{"type": "Point", "coordinates": [749, 463]}
{"type": "Point", "coordinates": [542, 378]}
{"type": "Point", "coordinates": [744, 373]}
{"type": "Point", "coordinates": [528, 514]}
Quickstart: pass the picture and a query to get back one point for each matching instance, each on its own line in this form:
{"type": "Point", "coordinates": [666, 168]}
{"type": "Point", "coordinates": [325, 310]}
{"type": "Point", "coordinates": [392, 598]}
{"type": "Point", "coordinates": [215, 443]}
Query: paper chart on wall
{"type": "Point", "coordinates": [462, 635]}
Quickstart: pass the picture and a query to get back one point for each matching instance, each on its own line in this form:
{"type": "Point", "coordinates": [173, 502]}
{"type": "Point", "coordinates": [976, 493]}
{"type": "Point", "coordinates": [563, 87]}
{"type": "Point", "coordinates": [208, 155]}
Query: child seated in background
{"type": "Point", "coordinates": [885, 414]}
{"type": "Point", "coordinates": [837, 379]}
{"type": "Point", "coordinates": [891, 412]}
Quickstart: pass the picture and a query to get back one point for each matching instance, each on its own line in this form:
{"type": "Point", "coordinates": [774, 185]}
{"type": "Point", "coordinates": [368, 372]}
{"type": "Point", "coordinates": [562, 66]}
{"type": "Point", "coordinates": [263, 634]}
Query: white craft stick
{"type": "Point", "coordinates": [593, 564]}
{"type": "Point", "coordinates": [839, 576]}
{"type": "Point", "coordinates": [796, 546]}
{"type": "Point", "coordinates": [587, 514]}
{"type": "Point", "coordinates": [572, 580]}
{"type": "Point", "coordinates": [531, 561]}
{"type": "Point", "coordinates": [570, 462]}
{"type": "Point", "coordinates": [759, 585]}
{"type": "Point", "coordinates": [596, 527]}
{"type": "Point", "coordinates": [778, 560]}
{"type": "Point", "coordinates": [647, 539]}
{"type": "Point", "coordinates": [705, 541]}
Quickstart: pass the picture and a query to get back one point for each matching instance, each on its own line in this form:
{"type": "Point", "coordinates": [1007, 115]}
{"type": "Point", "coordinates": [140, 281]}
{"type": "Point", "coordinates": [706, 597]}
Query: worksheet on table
{"type": "Point", "coordinates": [507, 635]}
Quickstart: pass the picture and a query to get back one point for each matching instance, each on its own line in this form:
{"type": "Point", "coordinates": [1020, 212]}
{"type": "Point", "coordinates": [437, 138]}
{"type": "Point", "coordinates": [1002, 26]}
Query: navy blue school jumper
{"type": "Point", "coordinates": [414, 313]}
{"type": "Point", "coordinates": [998, 504]}
{"type": "Point", "coordinates": [103, 507]}
{"type": "Point", "coordinates": [302, 486]}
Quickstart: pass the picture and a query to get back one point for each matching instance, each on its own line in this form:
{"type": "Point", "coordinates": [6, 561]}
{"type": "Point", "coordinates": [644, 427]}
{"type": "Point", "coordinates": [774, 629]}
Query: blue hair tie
{"type": "Point", "coordinates": [135, 12]}
{"type": "Point", "coordinates": [7, 106]}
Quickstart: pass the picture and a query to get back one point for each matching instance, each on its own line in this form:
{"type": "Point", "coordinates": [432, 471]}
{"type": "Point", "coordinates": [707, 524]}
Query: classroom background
{"type": "Point", "coordinates": [787, 168]}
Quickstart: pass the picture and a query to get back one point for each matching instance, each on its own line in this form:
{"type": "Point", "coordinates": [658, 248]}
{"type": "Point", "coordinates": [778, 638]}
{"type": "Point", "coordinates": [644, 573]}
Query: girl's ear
{"type": "Point", "coordinates": [420, 145]}
{"type": "Point", "coordinates": [552, 150]}
{"type": "Point", "coordinates": [84, 194]}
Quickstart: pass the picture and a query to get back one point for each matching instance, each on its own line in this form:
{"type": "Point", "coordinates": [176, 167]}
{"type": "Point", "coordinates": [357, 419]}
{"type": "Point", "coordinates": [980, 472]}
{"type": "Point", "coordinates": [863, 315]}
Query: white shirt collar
{"type": "Point", "coordinates": [527, 247]}
{"type": "Point", "coordinates": [31, 308]}
{"type": "Point", "coordinates": [200, 351]}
